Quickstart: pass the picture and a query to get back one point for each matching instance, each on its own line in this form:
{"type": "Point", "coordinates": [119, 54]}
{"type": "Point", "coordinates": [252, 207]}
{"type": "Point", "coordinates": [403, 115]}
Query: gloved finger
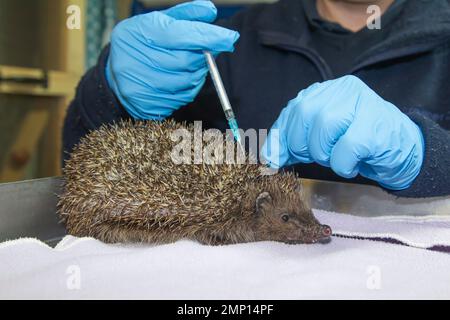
{"type": "Point", "coordinates": [185, 97]}
{"type": "Point", "coordinates": [162, 81]}
{"type": "Point", "coordinates": [337, 101]}
{"type": "Point", "coordinates": [303, 110]}
{"type": "Point", "coordinates": [275, 152]}
{"type": "Point", "coordinates": [297, 133]}
{"type": "Point", "coordinates": [176, 60]}
{"type": "Point", "coordinates": [328, 126]}
{"type": "Point", "coordinates": [176, 82]}
{"type": "Point", "coordinates": [283, 144]}
{"type": "Point", "coordinates": [163, 31]}
{"type": "Point", "coordinates": [349, 151]}
{"type": "Point", "coordinates": [157, 106]}
{"type": "Point", "coordinates": [367, 171]}
{"type": "Point", "coordinates": [202, 10]}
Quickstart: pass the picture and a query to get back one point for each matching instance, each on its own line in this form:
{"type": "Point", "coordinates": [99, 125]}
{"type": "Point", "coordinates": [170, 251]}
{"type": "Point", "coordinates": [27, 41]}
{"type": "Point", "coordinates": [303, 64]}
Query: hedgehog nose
{"type": "Point", "coordinates": [326, 231]}
{"type": "Point", "coordinates": [326, 234]}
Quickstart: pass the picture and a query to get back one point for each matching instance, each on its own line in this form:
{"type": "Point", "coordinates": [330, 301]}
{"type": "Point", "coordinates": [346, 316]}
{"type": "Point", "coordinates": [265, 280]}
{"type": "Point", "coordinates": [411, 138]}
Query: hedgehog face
{"type": "Point", "coordinates": [287, 219]}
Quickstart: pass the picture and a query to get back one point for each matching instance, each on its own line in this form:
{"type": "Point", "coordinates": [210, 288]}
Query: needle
{"type": "Point", "coordinates": [223, 97]}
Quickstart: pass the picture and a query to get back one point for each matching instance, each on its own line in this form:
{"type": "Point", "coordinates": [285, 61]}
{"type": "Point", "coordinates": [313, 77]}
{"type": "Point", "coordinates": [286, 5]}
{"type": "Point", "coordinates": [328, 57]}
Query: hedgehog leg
{"type": "Point", "coordinates": [212, 238]}
{"type": "Point", "coordinates": [116, 233]}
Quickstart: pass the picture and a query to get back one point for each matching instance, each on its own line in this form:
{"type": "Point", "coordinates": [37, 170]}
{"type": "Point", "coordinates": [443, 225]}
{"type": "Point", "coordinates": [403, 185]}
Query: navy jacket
{"type": "Point", "coordinates": [409, 67]}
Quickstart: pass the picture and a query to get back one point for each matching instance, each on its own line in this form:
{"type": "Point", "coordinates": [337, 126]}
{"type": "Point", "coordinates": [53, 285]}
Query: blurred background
{"type": "Point", "coordinates": [41, 62]}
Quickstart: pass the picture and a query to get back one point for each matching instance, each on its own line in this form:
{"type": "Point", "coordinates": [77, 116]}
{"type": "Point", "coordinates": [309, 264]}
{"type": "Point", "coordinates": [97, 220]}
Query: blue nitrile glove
{"type": "Point", "coordinates": [156, 64]}
{"type": "Point", "coordinates": [345, 125]}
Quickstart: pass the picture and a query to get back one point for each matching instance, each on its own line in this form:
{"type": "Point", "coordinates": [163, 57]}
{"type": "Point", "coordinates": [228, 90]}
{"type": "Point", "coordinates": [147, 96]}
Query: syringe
{"type": "Point", "coordinates": [223, 97]}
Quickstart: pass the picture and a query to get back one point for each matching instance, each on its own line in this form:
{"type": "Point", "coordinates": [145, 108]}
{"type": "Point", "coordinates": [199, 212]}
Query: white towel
{"type": "Point", "coordinates": [345, 268]}
{"type": "Point", "coordinates": [432, 232]}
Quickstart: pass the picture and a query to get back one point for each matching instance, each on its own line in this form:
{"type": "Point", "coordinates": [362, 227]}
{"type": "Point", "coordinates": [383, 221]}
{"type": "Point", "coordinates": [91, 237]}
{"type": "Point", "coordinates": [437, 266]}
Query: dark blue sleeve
{"type": "Point", "coordinates": [94, 104]}
{"type": "Point", "coordinates": [434, 177]}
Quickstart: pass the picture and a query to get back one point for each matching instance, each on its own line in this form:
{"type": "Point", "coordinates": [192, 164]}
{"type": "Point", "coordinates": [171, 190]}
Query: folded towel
{"type": "Point", "coordinates": [427, 232]}
{"type": "Point", "coordinates": [344, 268]}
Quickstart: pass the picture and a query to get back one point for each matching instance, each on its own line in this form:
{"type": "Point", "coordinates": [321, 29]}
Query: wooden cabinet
{"type": "Point", "coordinates": [41, 62]}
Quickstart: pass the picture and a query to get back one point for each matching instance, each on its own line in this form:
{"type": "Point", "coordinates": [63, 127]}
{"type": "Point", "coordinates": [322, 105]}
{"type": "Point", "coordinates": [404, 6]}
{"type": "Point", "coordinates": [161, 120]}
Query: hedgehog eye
{"type": "Point", "coordinates": [285, 217]}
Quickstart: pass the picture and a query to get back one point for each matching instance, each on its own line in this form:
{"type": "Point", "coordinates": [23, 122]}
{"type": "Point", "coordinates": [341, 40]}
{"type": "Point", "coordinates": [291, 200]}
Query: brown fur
{"type": "Point", "coordinates": [121, 185]}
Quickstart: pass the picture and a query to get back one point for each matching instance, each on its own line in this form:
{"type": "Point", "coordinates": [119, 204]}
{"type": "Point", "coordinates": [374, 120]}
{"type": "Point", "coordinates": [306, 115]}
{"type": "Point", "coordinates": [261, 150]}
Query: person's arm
{"type": "Point", "coordinates": [94, 105]}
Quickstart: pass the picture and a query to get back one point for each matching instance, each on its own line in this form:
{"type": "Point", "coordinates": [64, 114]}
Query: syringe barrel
{"type": "Point", "coordinates": [218, 83]}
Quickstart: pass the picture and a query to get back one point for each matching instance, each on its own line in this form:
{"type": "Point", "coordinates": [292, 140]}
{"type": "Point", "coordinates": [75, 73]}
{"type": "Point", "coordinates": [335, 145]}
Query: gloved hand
{"type": "Point", "coordinates": [345, 125]}
{"type": "Point", "coordinates": [156, 64]}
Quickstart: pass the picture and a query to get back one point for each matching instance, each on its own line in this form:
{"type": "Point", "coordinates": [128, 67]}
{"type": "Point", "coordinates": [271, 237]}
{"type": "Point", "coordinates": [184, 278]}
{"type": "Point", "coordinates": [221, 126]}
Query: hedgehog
{"type": "Point", "coordinates": [122, 185]}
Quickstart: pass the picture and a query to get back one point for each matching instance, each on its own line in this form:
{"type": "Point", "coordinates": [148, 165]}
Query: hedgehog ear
{"type": "Point", "coordinates": [263, 199]}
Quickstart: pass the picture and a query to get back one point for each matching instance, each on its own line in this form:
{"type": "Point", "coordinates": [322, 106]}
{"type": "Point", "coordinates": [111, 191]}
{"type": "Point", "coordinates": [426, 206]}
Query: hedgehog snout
{"type": "Point", "coordinates": [317, 234]}
{"type": "Point", "coordinates": [326, 234]}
